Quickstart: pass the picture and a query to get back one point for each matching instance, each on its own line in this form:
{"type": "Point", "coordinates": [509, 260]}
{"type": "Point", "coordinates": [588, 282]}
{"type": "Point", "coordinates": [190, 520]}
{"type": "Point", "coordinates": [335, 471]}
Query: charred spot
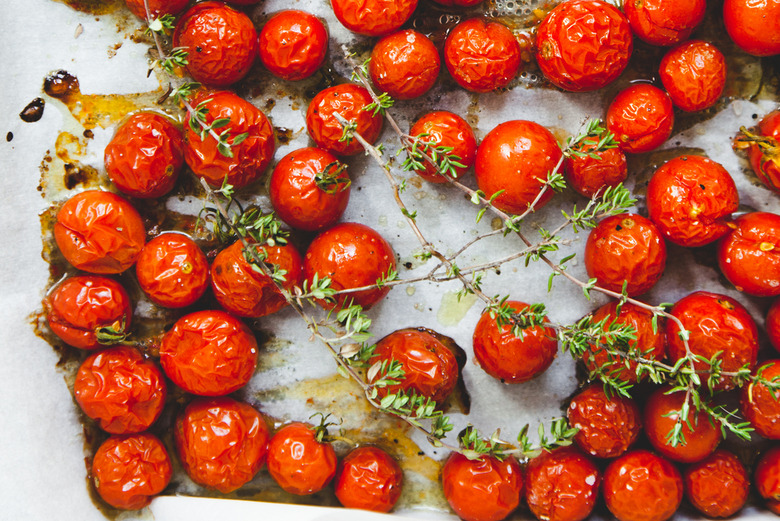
{"type": "Point", "coordinates": [9, 136]}
{"type": "Point", "coordinates": [33, 111]}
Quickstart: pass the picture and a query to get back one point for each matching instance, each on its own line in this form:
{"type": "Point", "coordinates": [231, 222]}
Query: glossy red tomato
{"type": "Point", "coordinates": [445, 129]}
{"type": "Point", "coordinates": [694, 75]}
{"type": "Point", "coordinates": [641, 486]}
{"type": "Point", "coordinates": [510, 358]}
{"type": "Point", "coordinates": [589, 176]}
{"type": "Point", "coordinates": [309, 189]}
{"type": "Point", "coordinates": [626, 249]}
{"type": "Point", "coordinates": [373, 17]}
{"type": "Point", "coordinates": [369, 478]}
{"type": "Point", "coordinates": [221, 43]}
{"type": "Point", "coordinates": [690, 199]}
{"type": "Point", "coordinates": [298, 462]}
{"type": "Point", "coordinates": [249, 158]}
{"type": "Point", "coordinates": [128, 470]}
{"type": "Point", "coordinates": [562, 485]}
{"type": "Point", "coordinates": [754, 25]}
{"type": "Point", "coordinates": [209, 353]}
{"type": "Point", "coordinates": [749, 256]}
{"type": "Point", "coordinates": [583, 45]}
{"type": "Point", "coordinates": [767, 478]}
{"type": "Point", "coordinates": [351, 255]}
{"type": "Point", "coordinates": [243, 291]}
{"type": "Point", "coordinates": [293, 44]}
{"type": "Point", "coordinates": [80, 307]}
{"type": "Point", "coordinates": [608, 426]}
{"type": "Point", "coordinates": [157, 8]}
{"type": "Point", "coordinates": [717, 324]}
{"type": "Point", "coordinates": [760, 405]}
{"type": "Point", "coordinates": [347, 100]}
{"type": "Point", "coordinates": [145, 156]}
{"type": "Point", "coordinates": [517, 157]}
{"type": "Point", "coordinates": [664, 22]}
{"type": "Point", "coordinates": [772, 323]}
{"type": "Point", "coordinates": [718, 485]}
{"type": "Point", "coordinates": [99, 232]}
{"type": "Point", "coordinates": [485, 489]}
{"type": "Point", "coordinates": [765, 160]}
{"type": "Point", "coordinates": [172, 270]}
{"type": "Point", "coordinates": [404, 64]}
{"type": "Point", "coordinates": [482, 56]}
{"type": "Point", "coordinates": [221, 443]}
{"type": "Point", "coordinates": [641, 117]}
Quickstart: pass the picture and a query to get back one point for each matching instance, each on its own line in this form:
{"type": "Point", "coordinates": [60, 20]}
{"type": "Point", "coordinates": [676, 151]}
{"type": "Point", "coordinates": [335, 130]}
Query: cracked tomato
{"type": "Point", "coordinates": [349, 101]}
{"type": "Point", "coordinates": [405, 64]}
{"type": "Point", "coordinates": [749, 256]}
{"type": "Point", "coordinates": [373, 17]}
{"type": "Point", "coordinates": [718, 485]}
{"type": "Point", "coordinates": [299, 462]}
{"type": "Point", "coordinates": [764, 150]}
{"type": "Point", "coordinates": [694, 75]}
{"type": "Point", "coordinates": [369, 478]}
{"type": "Point", "coordinates": [664, 22]}
{"type": "Point", "coordinates": [641, 117]}
{"type": "Point", "coordinates": [442, 129]}
{"type": "Point", "coordinates": [754, 25]}
{"type": "Point", "coordinates": [293, 44]}
{"type": "Point", "coordinates": [562, 485]}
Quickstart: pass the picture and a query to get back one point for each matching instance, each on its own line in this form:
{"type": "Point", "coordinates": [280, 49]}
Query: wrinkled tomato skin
{"type": "Point", "coordinates": [482, 56]}
{"type": "Point", "coordinates": [348, 100]}
{"type": "Point", "coordinates": [626, 248]}
{"type": "Point", "coordinates": [244, 292]}
{"type": "Point", "coordinates": [718, 485]}
{"type": "Point", "coordinates": [717, 323]}
{"type": "Point", "coordinates": [430, 368]}
{"type": "Point", "coordinates": [589, 176]}
{"type": "Point", "coordinates": [172, 270]}
{"type": "Point", "coordinates": [583, 45]}
{"type": "Point", "coordinates": [694, 75]}
{"type": "Point", "coordinates": [510, 358]}
{"type": "Point", "coordinates": [352, 255]}
{"type": "Point", "coordinates": [250, 158]}
{"type": "Point", "coordinates": [608, 426]}
{"type": "Point", "coordinates": [405, 64]}
{"type": "Point", "coordinates": [209, 353]}
{"type": "Point", "coordinates": [766, 163]}
{"type": "Point", "coordinates": [760, 406]}
{"type": "Point", "coordinates": [641, 117]}
{"type": "Point", "coordinates": [296, 197]}
{"type": "Point", "coordinates": [299, 463]}
{"type": "Point", "coordinates": [369, 478]}
{"type": "Point", "coordinates": [128, 470]}
{"type": "Point", "coordinates": [373, 17]}
{"type": "Point", "coordinates": [99, 232]}
{"type": "Point", "coordinates": [641, 486]}
{"type": "Point", "coordinates": [767, 478]}
{"type": "Point", "coordinates": [772, 324]}
{"type": "Point", "coordinates": [445, 129]}
{"type": "Point", "coordinates": [754, 26]}
{"type": "Point", "coordinates": [293, 44]}
{"type": "Point", "coordinates": [516, 157]}
{"type": "Point", "coordinates": [222, 443]}
{"type": "Point", "coordinates": [145, 156]}
{"type": "Point", "coordinates": [664, 22]}
{"type": "Point", "coordinates": [221, 43]}
{"type": "Point", "coordinates": [157, 8]}
{"type": "Point", "coordinates": [81, 305]}
{"type": "Point", "coordinates": [486, 489]}
{"type": "Point", "coordinates": [691, 199]}
{"type": "Point", "coordinates": [120, 389]}
{"type": "Point", "coordinates": [749, 256]}
{"type": "Point", "coordinates": [562, 485]}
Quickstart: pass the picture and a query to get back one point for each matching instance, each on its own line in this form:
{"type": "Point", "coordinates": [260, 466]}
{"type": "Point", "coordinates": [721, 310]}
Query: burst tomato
{"type": "Point", "coordinates": [773, 324]}
{"type": "Point", "coordinates": [172, 270]}
{"type": "Point", "coordinates": [641, 117]}
{"type": "Point", "coordinates": [749, 256]}
{"type": "Point", "coordinates": [293, 44]}
{"type": "Point", "coordinates": [664, 22]}
{"type": "Point", "coordinates": [299, 462]}
{"type": "Point", "coordinates": [718, 485]}
{"type": "Point", "coordinates": [447, 130]}
{"type": "Point", "coordinates": [760, 405]}
{"type": "Point", "coordinates": [405, 64]}
{"type": "Point", "coordinates": [765, 158]}
{"type": "Point", "coordinates": [754, 26]}
{"type": "Point", "coordinates": [373, 17]}
{"type": "Point", "coordinates": [369, 478]}
{"type": "Point", "coordinates": [157, 8]}
{"type": "Point", "coordinates": [588, 175]}
{"type": "Point", "coordinates": [348, 100]}
{"type": "Point", "coordinates": [562, 485]}
{"type": "Point", "coordinates": [694, 75]}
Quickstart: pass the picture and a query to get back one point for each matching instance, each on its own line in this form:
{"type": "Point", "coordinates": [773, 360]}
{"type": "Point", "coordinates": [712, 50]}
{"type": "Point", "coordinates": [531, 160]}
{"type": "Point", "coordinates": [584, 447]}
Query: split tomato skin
{"type": "Point", "coordinates": [766, 163]}
{"type": "Point", "coordinates": [348, 100]}
{"type": "Point", "coordinates": [664, 22]}
{"type": "Point", "coordinates": [157, 8]}
{"type": "Point", "coordinates": [641, 117]}
{"type": "Point", "coordinates": [293, 44]}
{"type": "Point", "coordinates": [718, 485]}
{"type": "Point", "coordinates": [767, 478]}
{"type": "Point", "coordinates": [172, 270]}
{"type": "Point", "coordinates": [562, 485]}
{"type": "Point", "coordinates": [405, 64]}
{"type": "Point", "coordinates": [754, 26]}
{"type": "Point", "coordinates": [298, 462]}
{"type": "Point", "coordinates": [373, 17]}
{"type": "Point", "coordinates": [369, 478]}
{"type": "Point", "coordinates": [749, 256]}
{"type": "Point", "coordinates": [760, 405]}
{"type": "Point", "coordinates": [589, 176]}
{"type": "Point", "coordinates": [694, 75]}
{"type": "Point", "coordinates": [445, 129]}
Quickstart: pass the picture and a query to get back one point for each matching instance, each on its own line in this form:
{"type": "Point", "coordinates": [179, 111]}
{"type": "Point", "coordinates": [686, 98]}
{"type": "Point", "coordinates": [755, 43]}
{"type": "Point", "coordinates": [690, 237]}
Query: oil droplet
{"type": "Point", "coordinates": [410, 290]}
{"type": "Point", "coordinates": [452, 310]}
{"type": "Point", "coordinates": [382, 220]}
{"type": "Point", "coordinates": [496, 223]}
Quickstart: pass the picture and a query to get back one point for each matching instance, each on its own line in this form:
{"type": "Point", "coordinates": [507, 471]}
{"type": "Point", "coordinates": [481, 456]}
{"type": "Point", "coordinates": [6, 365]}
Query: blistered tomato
{"type": "Point", "coordinates": [369, 478]}
{"type": "Point", "coordinates": [767, 478]}
{"type": "Point", "coordinates": [664, 22]}
{"type": "Point", "coordinates": [373, 17]}
{"type": "Point", "coordinates": [347, 100]}
{"type": "Point", "coordinates": [772, 323]}
{"type": "Point", "coordinates": [641, 117]}
{"type": "Point", "coordinates": [299, 462]}
{"type": "Point", "coordinates": [588, 175]}
{"type": "Point", "coordinates": [448, 130]}
{"type": "Point", "coordinates": [694, 75]}
{"type": "Point", "coordinates": [172, 270]}
{"type": "Point", "coordinates": [760, 405]}
{"type": "Point", "coordinates": [221, 443]}
{"type": "Point", "coordinates": [405, 64]}
{"type": "Point", "coordinates": [562, 485]}
{"type": "Point", "coordinates": [754, 26]}
{"type": "Point", "coordinates": [749, 256]}
{"type": "Point", "coordinates": [99, 232]}
{"type": "Point", "coordinates": [717, 485]}
{"type": "Point", "coordinates": [293, 44]}
{"type": "Point", "coordinates": [157, 8]}
{"type": "Point", "coordinates": [765, 157]}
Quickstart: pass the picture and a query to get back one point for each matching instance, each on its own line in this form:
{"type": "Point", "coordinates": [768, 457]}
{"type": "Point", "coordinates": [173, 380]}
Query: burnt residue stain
{"type": "Point", "coordinates": [61, 85]}
{"type": "Point", "coordinates": [283, 135]}
{"type": "Point", "coordinates": [94, 6]}
{"type": "Point", "coordinates": [78, 174]}
{"type": "Point", "coordinates": [9, 137]}
{"type": "Point", "coordinates": [33, 111]}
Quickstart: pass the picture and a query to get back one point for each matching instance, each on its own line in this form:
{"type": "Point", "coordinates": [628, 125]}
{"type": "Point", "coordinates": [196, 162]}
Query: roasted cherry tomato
{"type": "Point", "coordinates": [447, 130]}
{"type": "Point", "coordinates": [760, 405]}
{"type": "Point", "coordinates": [583, 45]}
{"type": "Point", "coordinates": [754, 26]}
{"type": "Point", "coordinates": [485, 489]}
{"type": "Point", "coordinates": [299, 462]}
{"type": "Point", "coordinates": [690, 199]}
{"type": "Point", "coordinates": [99, 232]}
{"type": "Point", "coordinates": [309, 189]}
{"type": "Point", "coordinates": [82, 309]}
{"type": "Point", "coordinates": [243, 162]}
{"type": "Point", "coordinates": [209, 353]}
{"type": "Point", "coordinates": [458, 3]}
{"type": "Point", "coordinates": [517, 157]}
{"type": "Point", "coordinates": [664, 22]}
{"type": "Point", "coordinates": [749, 256]}
{"type": "Point", "coordinates": [767, 478]}
{"type": "Point", "coordinates": [221, 43]}
{"type": "Point", "coordinates": [348, 100]}
{"type": "Point", "coordinates": [157, 8]}
{"type": "Point", "coordinates": [641, 117]}
{"type": "Point", "coordinates": [693, 74]}
{"type": "Point", "coordinates": [129, 470]}
{"type": "Point", "coordinates": [482, 56]}
{"type": "Point", "coordinates": [430, 367]}
{"type": "Point", "coordinates": [608, 426]}
{"type": "Point", "coordinates": [293, 44]}
{"type": "Point", "coordinates": [243, 291]}
{"type": "Point", "coordinates": [351, 255]}
{"type": "Point", "coordinates": [405, 64]}
{"type": "Point", "coordinates": [717, 324]}
{"type": "Point", "coordinates": [641, 486]}
{"type": "Point", "coordinates": [562, 485]}
{"type": "Point", "coordinates": [144, 157]}
{"type": "Point", "coordinates": [172, 270]}
{"type": "Point", "coordinates": [121, 390]}
{"type": "Point", "coordinates": [373, 17]}
{"type": "Point", "coordinates": [511, 358]}
{"type": "Point", "coordinates": [221, 443]}
{"type": "Point", "coordinates": [718, 485]}
{"type": "Point", "coordinates": [626, 249]}
{"type": "Point", "coordinates": [588, 175]}
{"type": "Point", "coordinates": [772, 323]}
{"type": "Point", "coordinates": [764, 151]}
{"type": "Point", "coordinates": [369, 478]}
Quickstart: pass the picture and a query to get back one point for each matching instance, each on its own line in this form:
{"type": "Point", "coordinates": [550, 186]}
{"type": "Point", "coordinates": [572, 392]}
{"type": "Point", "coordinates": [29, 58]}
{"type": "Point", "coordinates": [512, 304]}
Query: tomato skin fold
{"type": "Point", "coordinates": [299, 463]}
{"type": "Point", "coordinates": [369, 478]}
{"type": "Point", "coordinates": [718, 485]}
{"type": "Point", "coordinates": [485, 489]}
